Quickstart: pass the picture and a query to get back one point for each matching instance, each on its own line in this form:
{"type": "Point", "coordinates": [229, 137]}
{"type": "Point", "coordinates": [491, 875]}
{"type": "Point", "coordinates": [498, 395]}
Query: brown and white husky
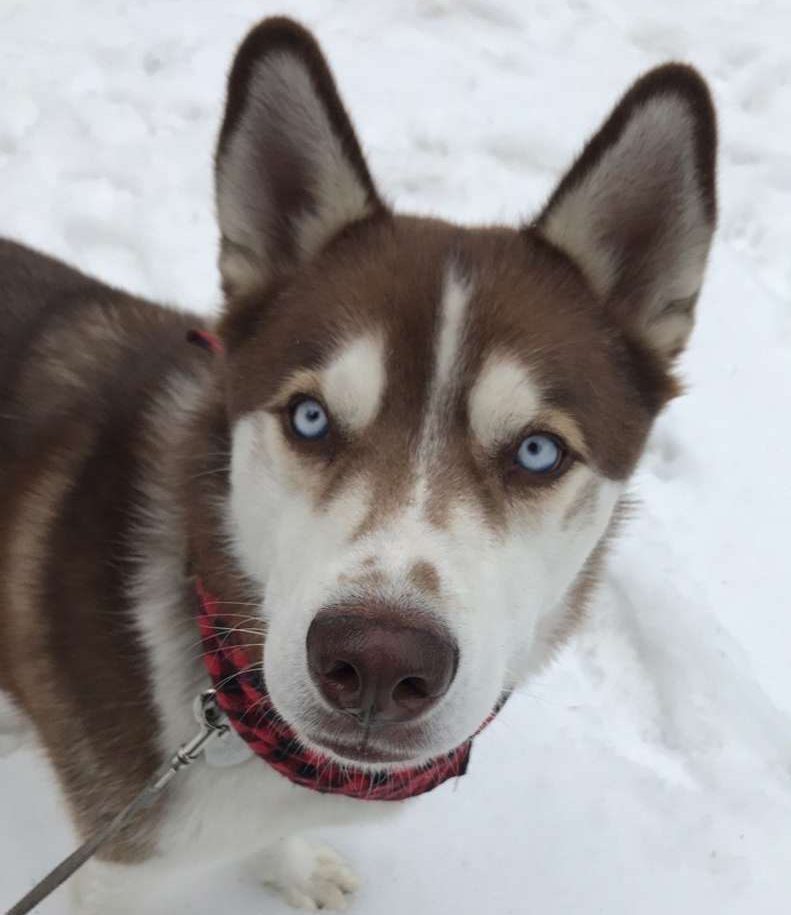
{"type": "Point", "coordinates": [399, 475]}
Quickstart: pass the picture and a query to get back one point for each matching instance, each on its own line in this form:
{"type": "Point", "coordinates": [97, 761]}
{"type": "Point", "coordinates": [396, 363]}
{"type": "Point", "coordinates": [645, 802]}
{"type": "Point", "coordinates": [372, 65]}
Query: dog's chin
{"type": "Point", "coordinates": [364, 755]}
{"type": "Point", "coordinates": [382, 748]}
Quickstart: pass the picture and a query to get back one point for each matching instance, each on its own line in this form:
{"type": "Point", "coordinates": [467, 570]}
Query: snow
{"type": "Point", "coordinates": [649, 770]}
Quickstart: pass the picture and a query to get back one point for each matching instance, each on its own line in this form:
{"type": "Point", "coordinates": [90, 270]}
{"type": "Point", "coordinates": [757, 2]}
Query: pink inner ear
{"type": "Point", "coordinates": [205, 340]}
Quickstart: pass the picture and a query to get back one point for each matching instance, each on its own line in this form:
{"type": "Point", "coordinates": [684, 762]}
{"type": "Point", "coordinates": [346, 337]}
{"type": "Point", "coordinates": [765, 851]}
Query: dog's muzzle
{"type": "Point", "coordinates": [241, 693]}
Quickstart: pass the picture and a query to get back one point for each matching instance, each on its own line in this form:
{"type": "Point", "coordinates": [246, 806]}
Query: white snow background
{"type": "Point", "coordinates": [649, 770]}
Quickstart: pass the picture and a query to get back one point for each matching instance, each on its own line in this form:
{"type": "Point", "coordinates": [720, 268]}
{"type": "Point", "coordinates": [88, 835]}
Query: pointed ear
{"type": "Point", "coordinates": [637, 210]}
{"type": "Point", "coordinates": [289, 171]}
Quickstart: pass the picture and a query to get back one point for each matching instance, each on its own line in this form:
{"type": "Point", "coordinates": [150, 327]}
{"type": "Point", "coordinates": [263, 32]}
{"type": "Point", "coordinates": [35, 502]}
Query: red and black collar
{"type": "Point", "coordinates": [242, 696]}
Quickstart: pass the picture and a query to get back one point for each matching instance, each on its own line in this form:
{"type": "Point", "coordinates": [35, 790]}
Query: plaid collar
{"type": "Point", "coordinates": [242, 695]}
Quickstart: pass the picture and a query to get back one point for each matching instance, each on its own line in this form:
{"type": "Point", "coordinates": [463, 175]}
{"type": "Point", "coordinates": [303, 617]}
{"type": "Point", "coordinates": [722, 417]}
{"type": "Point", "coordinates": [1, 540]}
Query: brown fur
{"type": "Point", "coordinates": [424, 576]}
{"type": "Point", "coordinates": [73, 406]}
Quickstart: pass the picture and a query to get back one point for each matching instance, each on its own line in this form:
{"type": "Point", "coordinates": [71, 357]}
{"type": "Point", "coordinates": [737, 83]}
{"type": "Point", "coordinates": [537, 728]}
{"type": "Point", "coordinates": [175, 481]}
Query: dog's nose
{"type": "Point", "coordinates": [392, 665]}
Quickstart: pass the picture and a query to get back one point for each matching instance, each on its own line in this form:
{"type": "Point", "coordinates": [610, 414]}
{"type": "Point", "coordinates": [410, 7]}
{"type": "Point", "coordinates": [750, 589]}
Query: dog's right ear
{"type": "Point", "coordinates": [289, 170]}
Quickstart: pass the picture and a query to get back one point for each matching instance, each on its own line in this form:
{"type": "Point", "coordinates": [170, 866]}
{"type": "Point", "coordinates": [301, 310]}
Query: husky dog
{"type": "Point", "coordinates": [397, 479]}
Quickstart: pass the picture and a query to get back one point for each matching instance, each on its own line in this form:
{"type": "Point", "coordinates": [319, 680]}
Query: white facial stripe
{"type": "Point", "coordinates": [456, 295]}
{"type": "Point", "coordinates": [455, 299]}
{"type": "Point", "coordinates": [353, 383]}
{"type": "Point", "coordinates": [503, 401]}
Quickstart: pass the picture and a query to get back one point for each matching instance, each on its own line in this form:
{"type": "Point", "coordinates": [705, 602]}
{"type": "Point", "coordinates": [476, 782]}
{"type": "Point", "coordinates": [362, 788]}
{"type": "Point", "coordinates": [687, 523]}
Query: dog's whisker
{"type": "Point", "coordinates": [244, 627]}
{"type": "Point", "coordinates": [212, 651]}
{"type": "Point", "coordinates": [237, 673]}
{"type": "Point", "coordinates": [199, 641]}
{"type": "Point", "coordinates": [236, 603]}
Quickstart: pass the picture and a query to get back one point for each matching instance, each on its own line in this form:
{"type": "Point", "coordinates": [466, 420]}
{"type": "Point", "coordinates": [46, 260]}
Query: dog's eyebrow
{"type": "Point", "coordinates": [351, 383]}
{"type": "Point", "coordinates": [354, 380]}
{"type": "Point", "coordinates": [506, 399]}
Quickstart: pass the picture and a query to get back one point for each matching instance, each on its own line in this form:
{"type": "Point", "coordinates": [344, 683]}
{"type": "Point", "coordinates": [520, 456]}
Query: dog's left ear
{"type": "Point", "coordinates": [290, 173]}
{"type": "Point", "coordinates": [637, 210]}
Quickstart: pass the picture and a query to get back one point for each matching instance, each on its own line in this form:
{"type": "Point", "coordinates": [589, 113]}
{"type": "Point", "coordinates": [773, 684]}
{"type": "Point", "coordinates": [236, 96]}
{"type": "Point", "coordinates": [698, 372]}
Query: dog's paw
{"type": "Point", "coordinates": [309, 877]}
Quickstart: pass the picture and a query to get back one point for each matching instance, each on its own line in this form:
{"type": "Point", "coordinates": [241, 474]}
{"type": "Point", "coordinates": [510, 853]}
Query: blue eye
{"type": "Point", "coordinates": [309, 419]}
{"type": "Point", "coordinates": [539, 453]}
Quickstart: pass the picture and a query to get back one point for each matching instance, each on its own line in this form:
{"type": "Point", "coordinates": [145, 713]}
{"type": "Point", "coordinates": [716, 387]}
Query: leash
{"type": "Point", "coordinates": [212, 724]}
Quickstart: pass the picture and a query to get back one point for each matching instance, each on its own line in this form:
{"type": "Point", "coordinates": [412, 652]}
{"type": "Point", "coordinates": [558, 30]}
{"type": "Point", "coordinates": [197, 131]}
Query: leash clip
{"type": "Point", "coordinates": [212, 720]}
{"type": "Point", "coordinates": [213, 723]}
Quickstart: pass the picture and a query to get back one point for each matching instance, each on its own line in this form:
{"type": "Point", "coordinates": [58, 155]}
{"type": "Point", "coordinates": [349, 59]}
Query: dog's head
{"type": "Point", "coordinates": [432, 425]}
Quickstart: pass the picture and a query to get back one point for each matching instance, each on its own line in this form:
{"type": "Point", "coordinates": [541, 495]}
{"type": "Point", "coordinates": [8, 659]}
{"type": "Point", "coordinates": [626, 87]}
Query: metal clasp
{"type": "Point", "coordinates": [213, 723]}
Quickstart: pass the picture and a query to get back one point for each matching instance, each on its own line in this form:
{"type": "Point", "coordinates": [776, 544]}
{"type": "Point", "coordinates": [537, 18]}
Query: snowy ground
{"type": "Point", "coordinates": [650, 770]}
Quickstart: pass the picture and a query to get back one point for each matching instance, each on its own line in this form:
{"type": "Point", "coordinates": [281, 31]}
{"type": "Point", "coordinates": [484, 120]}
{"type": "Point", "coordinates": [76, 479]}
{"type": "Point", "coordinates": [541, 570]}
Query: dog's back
{"type": "Point", "coordinates": [80, 364]}
{"type": "Point", "coordinates": [72, 351]}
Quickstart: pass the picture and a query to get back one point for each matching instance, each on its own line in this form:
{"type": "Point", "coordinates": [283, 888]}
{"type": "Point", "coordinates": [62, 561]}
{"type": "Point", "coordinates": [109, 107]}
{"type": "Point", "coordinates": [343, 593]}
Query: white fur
{"type": "Point", "coordinates": [503, 400]}
{"type": "Point", "coordinates": [453, 307]}
{"type": "Point", "coordinates": [453, 311]}
{"type": "Point", "coordinates": [353, 382]}
{"type": "Point", "coordinates": [283, 540]}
